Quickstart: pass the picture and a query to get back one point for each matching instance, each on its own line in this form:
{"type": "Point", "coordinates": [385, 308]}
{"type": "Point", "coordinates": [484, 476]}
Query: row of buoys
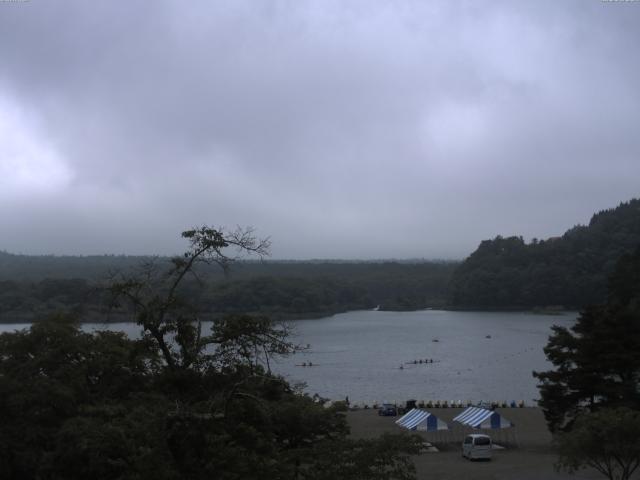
{"type": "Point", "coordinates": [499, 360]}
{"type": "Point", "coordinates": [504, 404]}
{"type": "Point", "coordinates": [458, 404]}
{"type": "Point", "coordinates": [429, 404]}
{"type": "Point", "coordinates": [444, 404]}
{"type": "Point", "coordinates": [305, 364]}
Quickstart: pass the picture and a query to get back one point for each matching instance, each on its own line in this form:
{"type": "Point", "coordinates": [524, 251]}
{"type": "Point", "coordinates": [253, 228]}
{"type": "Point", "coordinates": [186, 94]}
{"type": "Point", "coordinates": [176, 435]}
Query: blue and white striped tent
{"type": "Point", "coordinates": [477, 417]}
{"type": "Point", "coordinates": [421, 420]}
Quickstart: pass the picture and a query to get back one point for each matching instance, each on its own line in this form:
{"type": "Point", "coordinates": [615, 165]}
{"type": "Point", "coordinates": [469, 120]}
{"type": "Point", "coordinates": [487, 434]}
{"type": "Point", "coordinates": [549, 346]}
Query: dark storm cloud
{"type": "Point", "coordinates": [341, 129]}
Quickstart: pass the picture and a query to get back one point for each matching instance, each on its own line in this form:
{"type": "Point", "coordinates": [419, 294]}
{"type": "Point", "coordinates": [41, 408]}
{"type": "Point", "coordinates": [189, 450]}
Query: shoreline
{"type": "Point", "coordinates": [310, 316]}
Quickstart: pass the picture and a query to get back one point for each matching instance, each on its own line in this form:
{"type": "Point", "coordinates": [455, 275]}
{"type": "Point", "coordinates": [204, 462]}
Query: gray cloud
{"type": "Point", "coordinates": [341, 129]}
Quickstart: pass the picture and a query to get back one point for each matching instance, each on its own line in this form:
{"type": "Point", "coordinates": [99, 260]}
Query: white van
{"type": "Point", "coordinates": [477, 446]}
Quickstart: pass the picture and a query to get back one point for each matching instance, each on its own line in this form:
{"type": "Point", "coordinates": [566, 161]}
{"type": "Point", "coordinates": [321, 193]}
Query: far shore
{"type": "Point", "coordinates": [97, 318]}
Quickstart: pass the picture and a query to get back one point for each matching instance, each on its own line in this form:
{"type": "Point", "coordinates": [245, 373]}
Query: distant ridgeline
{"type": "Point", "coordinates": [33, 286]}
{"type": "Point", "coordinates": [569, 271]}
{"type": "Point", "coordinates": [505, 273]}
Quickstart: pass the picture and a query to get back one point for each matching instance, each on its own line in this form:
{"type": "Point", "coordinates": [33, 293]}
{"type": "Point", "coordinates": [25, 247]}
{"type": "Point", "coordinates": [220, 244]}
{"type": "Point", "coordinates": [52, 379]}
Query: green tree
{"type": "Point", "coordinates": [176, 404]}
{"type": "Point", "coordinates": [570, 270]}
{"type": "Point", "coordinates": [597, 361]}
{"type": "Point", "coordinates": [55, 382]}
{"type": "Point", "coordinates": [607, 440]}
{"type": "Point", "coordinates": [380, 459]}
{"type": "Point", "coordinates": [79, 405]}
{"type": "Point", "coordinates": [161, 308]}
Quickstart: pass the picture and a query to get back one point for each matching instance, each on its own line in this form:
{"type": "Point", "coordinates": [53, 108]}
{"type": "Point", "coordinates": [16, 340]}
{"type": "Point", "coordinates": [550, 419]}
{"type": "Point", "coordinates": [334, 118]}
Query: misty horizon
{"type": "Point", "coordinates": [359, 131]}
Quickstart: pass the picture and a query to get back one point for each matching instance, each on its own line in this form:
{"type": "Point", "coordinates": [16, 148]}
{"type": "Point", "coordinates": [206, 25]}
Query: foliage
{"type": "Point", "coordinates": [79, 405]}
{"type": "Point", "coordinates": [178, 403]}
{"type": "Point", "coordinates": [274, 288]}
{"type": "Point", "coordinates": [568, 271]}
{"type": "Point", "coordinates": [384, 458]}
{"type": "Point", "coordinates": [607, 440]}
{"type": "Point", "coordinates": [56, 380]}
{"type": "Point", "coordinates": [597, 361]}
{"type": "Point", "coordinates": [162, 309]}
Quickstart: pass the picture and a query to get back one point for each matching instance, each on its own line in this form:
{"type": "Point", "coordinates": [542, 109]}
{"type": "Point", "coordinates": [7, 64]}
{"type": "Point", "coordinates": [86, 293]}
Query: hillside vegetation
{"type": "Point", "coordinates": [504, 273]}
{"type": "Point", "coordinates": [31, 287]}
{"type": "Point", "coordinates": [569, 271]}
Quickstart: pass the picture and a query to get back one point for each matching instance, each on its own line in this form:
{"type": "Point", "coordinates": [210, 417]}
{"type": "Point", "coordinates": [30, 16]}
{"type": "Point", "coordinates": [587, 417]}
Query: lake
{"type": "Point", "coordinates": [359, 354]}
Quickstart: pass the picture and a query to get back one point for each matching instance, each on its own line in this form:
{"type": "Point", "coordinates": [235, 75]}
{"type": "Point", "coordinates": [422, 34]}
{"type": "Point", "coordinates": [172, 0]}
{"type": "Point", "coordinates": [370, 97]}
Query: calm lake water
{"type": "Point", "coordinates": [359, 354]}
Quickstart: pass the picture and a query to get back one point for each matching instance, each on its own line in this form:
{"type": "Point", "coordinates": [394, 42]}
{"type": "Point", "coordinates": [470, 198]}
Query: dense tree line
{"type": "Point", "coordinates": [282, 289]}
{"type": "Point", "coordinates": [569, 271]}
{"type": "Point", "coordinates": [34, 268]}
{"type": "Point", "coordinates": [393, 286]}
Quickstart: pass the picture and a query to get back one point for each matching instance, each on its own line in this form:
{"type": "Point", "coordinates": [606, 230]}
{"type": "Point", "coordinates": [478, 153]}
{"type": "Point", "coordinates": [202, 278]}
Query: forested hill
{"type": "Point", "coordinates": [569, 271]}
{"type": "Point", "coordinates": [33, 268]}
{"type": "Point", "coordinates": [33, 287]}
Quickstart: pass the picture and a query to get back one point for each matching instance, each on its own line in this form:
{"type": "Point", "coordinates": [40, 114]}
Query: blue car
{"type": "Point", "coordinates": [387, 410]}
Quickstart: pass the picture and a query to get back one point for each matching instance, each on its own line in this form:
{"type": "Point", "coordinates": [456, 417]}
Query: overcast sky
{"type": "Point", "coordinates": [342, 129]}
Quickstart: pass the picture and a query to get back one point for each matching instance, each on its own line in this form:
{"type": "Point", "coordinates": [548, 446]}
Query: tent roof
{"type": "Point", "coordinates": [477, 417]}
{"type": "Point", "coordinates": [417, 419]}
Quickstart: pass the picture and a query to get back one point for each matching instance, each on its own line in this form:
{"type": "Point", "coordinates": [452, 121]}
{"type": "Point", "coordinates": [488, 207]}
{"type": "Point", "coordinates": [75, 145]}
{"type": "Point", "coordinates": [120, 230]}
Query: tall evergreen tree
{"type": "Point", "coordinates": [597, 361]}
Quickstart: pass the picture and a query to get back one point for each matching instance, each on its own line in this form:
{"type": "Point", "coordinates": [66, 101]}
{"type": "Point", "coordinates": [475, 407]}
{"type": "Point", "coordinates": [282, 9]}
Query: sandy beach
{"type": "Point", "coordinates": [527, 454]}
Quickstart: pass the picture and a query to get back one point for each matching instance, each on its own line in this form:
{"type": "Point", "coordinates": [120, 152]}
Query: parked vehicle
{"type": "Point", "coordinates": [477, 446]}
{"type": "Point", "coordinates": [388, 410]}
